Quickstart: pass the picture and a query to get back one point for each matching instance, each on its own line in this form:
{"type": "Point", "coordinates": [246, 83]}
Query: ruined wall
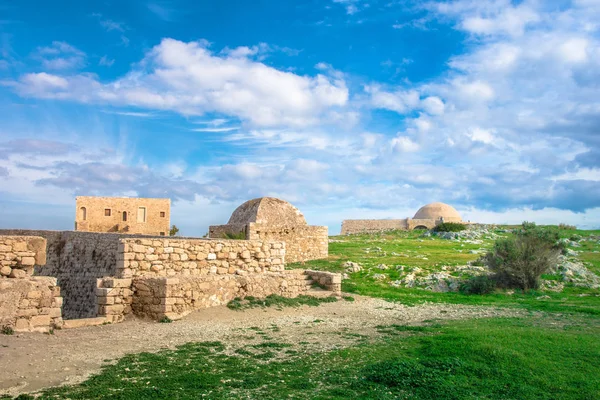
{"type": "Point", "coordinates": [19, 254]}
{"type": "Point", "coordinates": [169, 257]}
{"type": "Point", "coordinates": [76, 259]}
{"type": "Point", "coordinates": [302, 242]}
{"type": "Point", "coordinates": [125, 215]}
{"type": "Point", "coordinates": [160, 297]}
{"type": "Point", "coordinates": [351, 226]}
{"type": "Point", "coordinates": [30, 304]}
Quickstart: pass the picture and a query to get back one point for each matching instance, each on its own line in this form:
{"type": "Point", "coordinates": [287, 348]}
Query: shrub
{"type": "Point", "coordinates": [482, 284]}
{"type": "Point", "coordinates": [450, 227]}
{"type": "Point", "coordinates": [518, 262]}
{"type": "Point", "coordinates": [7, 330]}
{"type": "Point", "coordinates": [174, 230]}
{"type": "Point", "coordinates": [566, 227]}
{"type": "Point", "coordinates": [165, 320]}
{"type": "Point", "coordinates": [234, 236]}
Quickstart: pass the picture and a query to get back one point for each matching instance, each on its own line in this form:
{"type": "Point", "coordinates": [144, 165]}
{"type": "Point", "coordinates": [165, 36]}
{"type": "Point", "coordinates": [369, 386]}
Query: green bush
{"type": "Point", "coordinates": [450, 227]}
{"type": "Point", "coordinates": [7, 330]}
{"type": "Point", "coordinates": [518, 262]}
{"type": "Point", "coordinates": [234, 236]}
{"type": "Point", "coordinates": [482, 284]}
{"type": "Point", "coordinates": [567, 227]}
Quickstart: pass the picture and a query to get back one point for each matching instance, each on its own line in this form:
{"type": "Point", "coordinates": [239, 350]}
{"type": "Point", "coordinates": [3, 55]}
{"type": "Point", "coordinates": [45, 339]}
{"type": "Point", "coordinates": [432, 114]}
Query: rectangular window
{"type": "Point", "coordinates": [107, 212]}
{"type": "Point", "coordinates": [162, 234]}
{"type": "Point", "coordinates": [141, 214]}
{"type": "Point", "coordinates": [162, 214]}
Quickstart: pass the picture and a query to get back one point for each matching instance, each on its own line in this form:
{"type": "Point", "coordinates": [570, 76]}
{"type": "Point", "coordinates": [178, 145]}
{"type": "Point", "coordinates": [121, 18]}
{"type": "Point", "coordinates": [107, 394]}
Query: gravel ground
{"type": "Point", "coordinates": [32, 361]}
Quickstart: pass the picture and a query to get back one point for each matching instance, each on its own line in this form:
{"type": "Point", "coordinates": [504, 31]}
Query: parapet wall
{"type": "Point", "coordinates": [170, 257]}
{"type": "Point", "coordinates": [352, 226]}
{"type": "Point", "coordinates": [19, 254]}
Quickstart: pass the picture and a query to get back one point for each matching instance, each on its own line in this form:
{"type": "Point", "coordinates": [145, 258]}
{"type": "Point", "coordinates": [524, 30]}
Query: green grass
{"type": "Point", "coordinates": [475, 359]}
{"type": "Point", "coordinates": [411, 249]}
{"type": "Point", "coordinates": [278, 302]}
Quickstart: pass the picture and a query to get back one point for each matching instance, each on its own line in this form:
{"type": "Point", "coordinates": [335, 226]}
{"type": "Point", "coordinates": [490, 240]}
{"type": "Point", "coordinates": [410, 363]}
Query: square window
{"type": "Point", "coordinates": [162, 214]}
{"type": "Point", "coordinates": [107, 212]}
{"type": "Point", "coordinates": [162, 234]}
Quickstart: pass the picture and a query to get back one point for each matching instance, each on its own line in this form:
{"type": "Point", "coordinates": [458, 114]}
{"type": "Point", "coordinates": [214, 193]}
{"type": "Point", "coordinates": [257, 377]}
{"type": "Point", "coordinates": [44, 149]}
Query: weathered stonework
{"type": "Point", "coordinates": [271, 219]}
{"type": "Point", "coordinates": [19, 255]}
{"type": "Point", "coordinates": [427, 217]}
{"type": "Point", "coordinates": [31, 304]}
{"type": "Point", "coordinates": [157, 298]}
{"type": "Point", "coordinates": [123, 215]}
{"type": "Point", "coordinates": [105, 277]}
{"type": "Point", "coordinates": [170, 257]}
{"type": "Point", "coordinates": [77, 260]}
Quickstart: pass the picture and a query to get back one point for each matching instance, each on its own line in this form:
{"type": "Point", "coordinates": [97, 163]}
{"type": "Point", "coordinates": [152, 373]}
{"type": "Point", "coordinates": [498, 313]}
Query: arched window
{"type": "Point", "coordinates": [83, 213]}
{"type": "Point", "coordinates": [124, 215]}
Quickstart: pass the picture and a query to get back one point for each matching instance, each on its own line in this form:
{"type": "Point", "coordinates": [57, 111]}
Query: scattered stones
{"type": "Point", "coordinates": [382, 266]}
{"type": "Point", "coordinates": [352, 267]}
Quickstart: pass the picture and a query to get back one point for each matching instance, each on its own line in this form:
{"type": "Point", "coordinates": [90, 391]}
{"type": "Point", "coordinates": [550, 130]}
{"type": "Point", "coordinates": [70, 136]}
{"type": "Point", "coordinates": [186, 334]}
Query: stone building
{"type": "Point", "coordinates": [427, 217]}
{"type": "Point", "coordinates": [123, 215]}
{"type": "Point", "coordinates": [271, 219]}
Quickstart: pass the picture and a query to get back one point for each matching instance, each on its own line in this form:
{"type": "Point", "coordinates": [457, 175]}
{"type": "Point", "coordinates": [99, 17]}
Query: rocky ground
{"type": "Point", "coordinates": [444, 278]}
{"type": "Point", "coordinates": [32, 361]}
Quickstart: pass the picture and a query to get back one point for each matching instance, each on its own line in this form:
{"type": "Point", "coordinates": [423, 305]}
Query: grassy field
{"type": "Point", "coordinates": [548, 358]}
{"type": "Point", "coordinates": [553, 354]}
{"type": "Point", "coordinates": [430, 254]}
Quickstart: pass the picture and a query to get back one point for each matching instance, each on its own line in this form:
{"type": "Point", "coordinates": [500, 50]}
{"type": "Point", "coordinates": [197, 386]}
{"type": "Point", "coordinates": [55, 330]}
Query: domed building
{"type": "Point", "coordinates": [427, 217]}
{"type": "Point", "coordinates": [272, 219]}
{"type": "Point", "coordinates": [267, 210]}
{"type": "Point", "coordinates": [439, 212]}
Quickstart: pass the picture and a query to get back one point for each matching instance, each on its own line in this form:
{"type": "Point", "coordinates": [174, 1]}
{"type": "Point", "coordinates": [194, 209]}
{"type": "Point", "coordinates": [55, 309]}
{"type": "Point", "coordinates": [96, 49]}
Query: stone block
{"type": "Point", "coordinates": [40, 320]}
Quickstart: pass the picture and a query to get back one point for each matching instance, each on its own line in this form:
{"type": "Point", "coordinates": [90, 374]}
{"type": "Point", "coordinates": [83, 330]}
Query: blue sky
{"type": "Point", "coordinates": [346, 108]}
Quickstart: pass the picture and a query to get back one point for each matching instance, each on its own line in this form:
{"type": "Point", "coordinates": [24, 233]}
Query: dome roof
{"type": "Point", "coordinates": [267, 210]}
{"type": "Point", "coordinates": [437, 211]}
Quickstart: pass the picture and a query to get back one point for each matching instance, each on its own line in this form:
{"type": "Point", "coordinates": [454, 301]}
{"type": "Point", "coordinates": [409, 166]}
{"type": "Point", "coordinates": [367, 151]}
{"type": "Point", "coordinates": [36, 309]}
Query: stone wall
{"type": "Point", "coordinates": [77, 260]}
{"type": "Point", "coordinates": [19, 255]}
{"type": "Point", "coordinates": [169, 257]}
{"type": "Point", "coordinates": [161, 297]}
{"type": "Point", "coordinates": [125, 215]}
{"type": "Point", "coordinates": [30, 304]}
{"type": "Point", "coordinates": [303, 242]}
{"type": "Point", "coordinates": [352, 226]}
{"type": "Point", "coordinates": [114, 297]}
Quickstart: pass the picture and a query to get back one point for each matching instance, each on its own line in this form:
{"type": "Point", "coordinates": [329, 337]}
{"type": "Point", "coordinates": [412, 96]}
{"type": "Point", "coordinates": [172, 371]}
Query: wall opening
{"type": "Point", "coordinates": [141, 214]}
{"type": "Point", "coordinates": [107, 212]}
{"type": "Point", "coordinates": [83, 213]}
{"type": "Point", "coordinates": [124, 215]}
{"type": "Point", "coordinates": [162, 214]}
{"type": "Point", "coordinates": [420, 227]}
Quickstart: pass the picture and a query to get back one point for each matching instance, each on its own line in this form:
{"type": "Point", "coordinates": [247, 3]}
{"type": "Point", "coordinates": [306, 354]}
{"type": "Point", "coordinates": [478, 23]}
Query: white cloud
{"type": "Point", "coordinates": [105, 61]}
{"type": "Point", "coordinates": [59, 56]}
{"type": "Point", "coordinates": [434, 105]}
{"type": "Point", "coordinates": [189, 79]}
{"type": "Point", "coordinates": [404, 145]}
{"type": "Point", "coordinates": [399, 101]}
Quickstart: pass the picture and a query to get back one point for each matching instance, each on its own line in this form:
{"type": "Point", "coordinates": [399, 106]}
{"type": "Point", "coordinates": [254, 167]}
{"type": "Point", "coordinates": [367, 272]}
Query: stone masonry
{"type": "Point", "coordinates": [123, 215]}
{"type": "Point", "coordinates": [27, 303]}
{"type": "Point", "coordinates": [19, 254]}
{"type": "Point", "coordinates": [105, 277]}
{"type": "Point", "coordinates": [271, 219]}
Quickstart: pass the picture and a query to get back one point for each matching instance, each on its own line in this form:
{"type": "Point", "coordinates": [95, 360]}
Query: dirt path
{"type": "Point", "coordinates": [32, 361]}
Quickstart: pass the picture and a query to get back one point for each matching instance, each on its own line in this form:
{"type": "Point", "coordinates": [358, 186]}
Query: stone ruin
{"type": "Point", "coordinates": [67, 279]}
{"type": "Point", "coordinates": [427, 217]}
{"type": "Point", "coordinates": [268, 218]}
